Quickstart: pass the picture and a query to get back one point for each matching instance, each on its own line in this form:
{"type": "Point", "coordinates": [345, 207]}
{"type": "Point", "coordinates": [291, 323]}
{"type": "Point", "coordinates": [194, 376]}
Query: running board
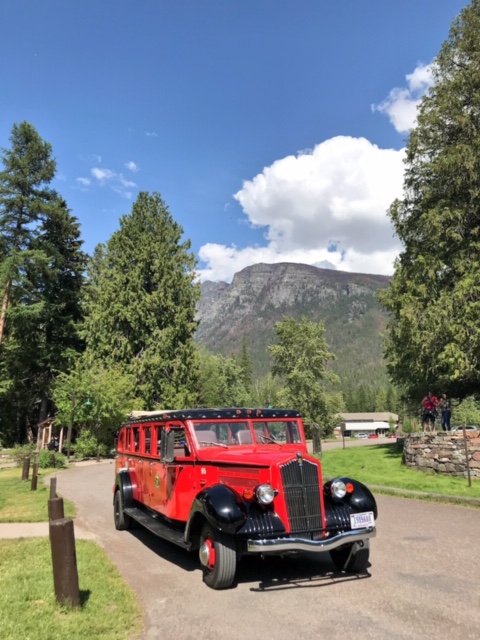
{"type": "Point", "coordinates": [155, 526]}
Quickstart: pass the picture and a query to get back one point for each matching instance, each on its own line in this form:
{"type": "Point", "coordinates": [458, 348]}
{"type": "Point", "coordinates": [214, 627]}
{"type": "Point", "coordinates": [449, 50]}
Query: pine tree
{"type": "Point", "coordinates": [141, 303]}
{"type": "Point", "coordinates": [41, 273]}
{"type": "Point", "coordinates": [246, 365]}
{"type": "Point", "coordinates": [24, 200]}
{"type": "Point", "coordinates": [432, 339]}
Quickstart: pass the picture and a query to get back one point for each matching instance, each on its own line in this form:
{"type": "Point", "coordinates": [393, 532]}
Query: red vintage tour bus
{"type": "Point", "coordinates": [236, 481]}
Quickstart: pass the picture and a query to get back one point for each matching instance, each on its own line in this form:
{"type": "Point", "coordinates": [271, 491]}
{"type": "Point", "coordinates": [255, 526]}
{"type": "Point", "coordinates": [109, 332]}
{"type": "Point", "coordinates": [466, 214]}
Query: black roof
{"type": "Point", "coordinates": [231, 413]}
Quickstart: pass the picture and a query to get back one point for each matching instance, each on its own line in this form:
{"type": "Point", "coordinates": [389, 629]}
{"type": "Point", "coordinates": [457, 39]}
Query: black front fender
{"type": "Point", "coordinates": [222, 507]}
{"type": "Point", "coordinates": [337, 511]}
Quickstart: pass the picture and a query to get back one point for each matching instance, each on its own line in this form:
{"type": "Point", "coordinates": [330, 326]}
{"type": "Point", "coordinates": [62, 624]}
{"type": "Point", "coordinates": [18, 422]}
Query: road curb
{"type": "Point", "coordinates": [465, 501]}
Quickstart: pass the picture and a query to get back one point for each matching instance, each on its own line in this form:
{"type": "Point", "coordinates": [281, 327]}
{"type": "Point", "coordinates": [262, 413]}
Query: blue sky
{"type": "Point", "coordinates": [274, 130]}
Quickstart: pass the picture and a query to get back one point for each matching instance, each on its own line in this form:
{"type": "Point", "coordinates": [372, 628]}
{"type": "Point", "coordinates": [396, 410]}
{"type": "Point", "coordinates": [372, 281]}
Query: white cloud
{"type": "Point", "coordinates": [326, 207]}
{"type": "Point", "coordinates": [401, 104]}
{"type": "Point", "coordinates": [151, 134]}
{"type": "Point", "coordinates": [84, 182]}
{"type": "Point", "coordinates": [114, 180]}
{"type": "Point", "coordinates": [131, 166]}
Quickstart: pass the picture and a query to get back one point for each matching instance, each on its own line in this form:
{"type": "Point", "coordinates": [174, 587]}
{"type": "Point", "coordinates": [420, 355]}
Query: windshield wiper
{"type": "Point", "coordinates": [268, 439]}
{"type": "Point", "coordinates": [214, 444]}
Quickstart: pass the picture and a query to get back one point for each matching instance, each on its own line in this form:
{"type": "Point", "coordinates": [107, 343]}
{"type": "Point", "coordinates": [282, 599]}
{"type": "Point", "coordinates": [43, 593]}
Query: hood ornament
{"type": "Point", "coordinates": [300, 458]}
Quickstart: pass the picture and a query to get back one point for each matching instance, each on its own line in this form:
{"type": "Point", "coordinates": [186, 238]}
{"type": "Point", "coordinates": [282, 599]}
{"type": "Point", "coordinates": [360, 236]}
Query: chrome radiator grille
{"type": "Point", "coordinates": [302, 495]}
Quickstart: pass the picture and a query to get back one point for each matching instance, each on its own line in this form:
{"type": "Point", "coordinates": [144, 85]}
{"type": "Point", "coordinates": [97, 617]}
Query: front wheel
{"type": "Point", "coordinates": [352, 558]}
{"type": "Point", "coordinates": [218, 558]}
{"type": "Point", "coordinates": [122, 521]}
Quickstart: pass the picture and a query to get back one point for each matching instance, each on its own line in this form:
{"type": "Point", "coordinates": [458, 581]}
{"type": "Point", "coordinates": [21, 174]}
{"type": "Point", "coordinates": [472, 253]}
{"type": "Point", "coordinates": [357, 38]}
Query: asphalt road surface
{"type": "Point", "coordinates": [423, 582]}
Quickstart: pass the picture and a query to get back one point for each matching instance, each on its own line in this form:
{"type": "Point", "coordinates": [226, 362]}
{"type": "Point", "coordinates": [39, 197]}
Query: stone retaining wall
{"type": "Point", "coordinates": [443, 452]}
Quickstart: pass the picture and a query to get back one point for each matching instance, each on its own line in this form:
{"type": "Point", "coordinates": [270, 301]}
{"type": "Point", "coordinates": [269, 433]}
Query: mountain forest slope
{"type": "Point", "coordinates": [262, 294]}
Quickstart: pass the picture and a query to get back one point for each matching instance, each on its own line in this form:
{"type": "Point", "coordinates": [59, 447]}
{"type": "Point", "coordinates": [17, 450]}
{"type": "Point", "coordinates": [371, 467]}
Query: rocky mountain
{"type": "Point", "coordinates": [262, 294]}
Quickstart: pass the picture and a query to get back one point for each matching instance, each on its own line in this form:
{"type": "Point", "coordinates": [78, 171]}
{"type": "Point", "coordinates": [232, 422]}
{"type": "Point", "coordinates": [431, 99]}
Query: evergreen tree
{"type": "Point", "coordinates": [140, 305]}
{"type": "Point", "coordinates": [432, 338]}
{"type": "Point", "coordinates": [246, 365]}
{"type": "Point", "coordinates": [40, 279]}
{"type": "Point", "coordinates": [24, 200]}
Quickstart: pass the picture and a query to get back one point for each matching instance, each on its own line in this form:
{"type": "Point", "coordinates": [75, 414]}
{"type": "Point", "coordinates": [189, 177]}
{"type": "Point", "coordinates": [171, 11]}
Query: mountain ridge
{"type": "Point", "coordinates": [261, 294]}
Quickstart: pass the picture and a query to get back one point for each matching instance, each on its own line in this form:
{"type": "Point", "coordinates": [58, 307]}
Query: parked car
{"type": "Point", "coordinates": [469, 427]}
{"type": "Point", "coordinates": [232, 482]}
{"type": "Point", "coordinates": [362, 435]}
{"type": "Point", "coordinates": [372, 435]}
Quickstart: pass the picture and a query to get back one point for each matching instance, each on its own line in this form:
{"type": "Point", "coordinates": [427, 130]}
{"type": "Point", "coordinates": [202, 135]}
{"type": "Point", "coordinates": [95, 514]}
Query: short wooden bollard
{"type": "Point", "coordinates": [64, 561]}
{"type": "Point", "coordinates": [55, 509]}
{"type": "Point", "coordinates": [33, 486]}
{"type": "Point", "coordinates": [26, 468]}
{"type": "Point", "coordinates": [53, 488]}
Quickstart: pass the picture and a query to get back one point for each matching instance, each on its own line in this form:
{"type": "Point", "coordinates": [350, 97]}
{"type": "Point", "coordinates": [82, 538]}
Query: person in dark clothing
{"type": "Point", "coordinates": [445, 406]}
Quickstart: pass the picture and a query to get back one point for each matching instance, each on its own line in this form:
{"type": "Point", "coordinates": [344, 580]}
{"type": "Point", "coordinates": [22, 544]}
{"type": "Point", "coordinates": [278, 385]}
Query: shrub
{"type": "Point", "coordinates": [48, 459]}
{"type": "Point", "coordinates": [87, 445]}
{"type": "Point", "coordinates": [21, 451]}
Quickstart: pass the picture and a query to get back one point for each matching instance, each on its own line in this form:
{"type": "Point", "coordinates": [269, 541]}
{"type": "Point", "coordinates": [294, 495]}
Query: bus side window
{"type": "Point", "coordinates": [135, 439]}
{"type": "Point", "coordinates": [121, 440]}
{"type": "Point", "coordinates": [147, 435]}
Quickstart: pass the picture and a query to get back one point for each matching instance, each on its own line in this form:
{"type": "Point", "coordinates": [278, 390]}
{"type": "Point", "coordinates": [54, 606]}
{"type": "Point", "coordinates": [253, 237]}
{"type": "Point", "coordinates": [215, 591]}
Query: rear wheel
{"type": "Point", "coordinates": [352, 558]}
{"type": "Point", "coordinates": [218, 558]}
{"type": "Point", "coordinates": [122, 521]}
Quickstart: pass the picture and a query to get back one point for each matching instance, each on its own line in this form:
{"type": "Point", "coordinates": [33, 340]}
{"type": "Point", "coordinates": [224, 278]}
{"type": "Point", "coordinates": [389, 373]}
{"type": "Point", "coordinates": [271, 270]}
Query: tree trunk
{"type": "Point", "coordinates": [3, 313]}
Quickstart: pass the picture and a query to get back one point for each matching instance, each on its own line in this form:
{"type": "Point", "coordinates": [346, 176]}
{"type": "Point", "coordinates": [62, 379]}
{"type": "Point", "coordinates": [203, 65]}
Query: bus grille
{"type": "Point", "coordinates": [302, 495]}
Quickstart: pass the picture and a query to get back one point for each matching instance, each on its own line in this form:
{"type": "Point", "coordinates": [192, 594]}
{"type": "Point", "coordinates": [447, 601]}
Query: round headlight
{"type": "Point", "coordinates": [265, 493]}
{"type": "Point", "coordinates": [338, 489]}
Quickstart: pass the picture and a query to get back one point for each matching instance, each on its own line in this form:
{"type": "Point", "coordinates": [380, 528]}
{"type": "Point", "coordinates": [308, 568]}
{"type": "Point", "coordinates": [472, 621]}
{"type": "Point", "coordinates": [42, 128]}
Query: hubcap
{"type": "Point", "coordinates": [207, 554]}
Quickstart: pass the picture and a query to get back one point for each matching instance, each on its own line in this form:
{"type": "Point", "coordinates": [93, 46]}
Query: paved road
{"type": "Point", "coordinates": [423, 581]}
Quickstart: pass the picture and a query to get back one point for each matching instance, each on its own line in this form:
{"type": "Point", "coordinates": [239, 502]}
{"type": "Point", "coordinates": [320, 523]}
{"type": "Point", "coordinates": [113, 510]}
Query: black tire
{"type": "Point", "coordinates": [352, 558]}
{"type": "Point", "coordinates": [218, 558]}
{"type": "Point", "coordinates": [122, 521]}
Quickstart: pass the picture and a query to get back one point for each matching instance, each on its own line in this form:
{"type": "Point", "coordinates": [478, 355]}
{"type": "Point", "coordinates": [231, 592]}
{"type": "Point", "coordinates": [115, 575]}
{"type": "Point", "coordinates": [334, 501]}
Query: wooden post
{"type": "Point", "coordinates": [53, 488]}
{"type": "Point", "coordinates": [467, 462]}
{"type": "Point", "coordinates": [33, 486]}
{"type": "Point", "coordinates": [64, 562]}
{"type": "Point", "coordinates": [26, 468]}
{"type": "Point", "coordinates": [55, 509]}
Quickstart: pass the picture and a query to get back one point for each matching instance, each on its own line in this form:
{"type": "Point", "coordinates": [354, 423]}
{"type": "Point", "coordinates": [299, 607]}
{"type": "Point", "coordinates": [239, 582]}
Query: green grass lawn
{"type": "Point", "coordinates": [18, 503]}
{"type": "Point", "coordinates": [381, 464]}
{"type": "Point", "coordinates": [28, 608]}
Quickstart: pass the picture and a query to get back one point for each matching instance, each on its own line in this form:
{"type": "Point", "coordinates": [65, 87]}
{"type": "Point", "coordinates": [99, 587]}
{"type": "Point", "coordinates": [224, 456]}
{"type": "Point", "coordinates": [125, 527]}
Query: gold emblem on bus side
{"type": "Point", "coordinates": [157, 480]}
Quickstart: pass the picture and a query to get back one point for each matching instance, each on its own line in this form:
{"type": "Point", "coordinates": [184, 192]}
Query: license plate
{"type": "Point", "coordinates": [362, 520]}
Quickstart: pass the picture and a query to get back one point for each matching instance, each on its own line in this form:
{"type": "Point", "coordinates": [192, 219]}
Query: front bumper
{"type": "Point", "coordinates": [282, 545]}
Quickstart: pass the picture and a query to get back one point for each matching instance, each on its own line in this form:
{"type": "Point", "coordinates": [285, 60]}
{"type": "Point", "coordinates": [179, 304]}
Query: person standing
{"type": "Point", "coordinates": [429, 405]}
{"type": "Point", "coordinates": [445, 405]}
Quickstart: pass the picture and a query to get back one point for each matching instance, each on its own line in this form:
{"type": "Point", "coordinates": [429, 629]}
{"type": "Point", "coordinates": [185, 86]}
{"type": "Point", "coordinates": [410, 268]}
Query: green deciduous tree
{"type": "Point", "coordinates": [433, 337]}
{"type": "Point", "coordinates": [140, 305]}
{"type": "Point", "coordinates": [300, 357]}
{"type": "Point", "coordinates": [221, 382]}
{"type": "Point", "coordinates": [95, 399]}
